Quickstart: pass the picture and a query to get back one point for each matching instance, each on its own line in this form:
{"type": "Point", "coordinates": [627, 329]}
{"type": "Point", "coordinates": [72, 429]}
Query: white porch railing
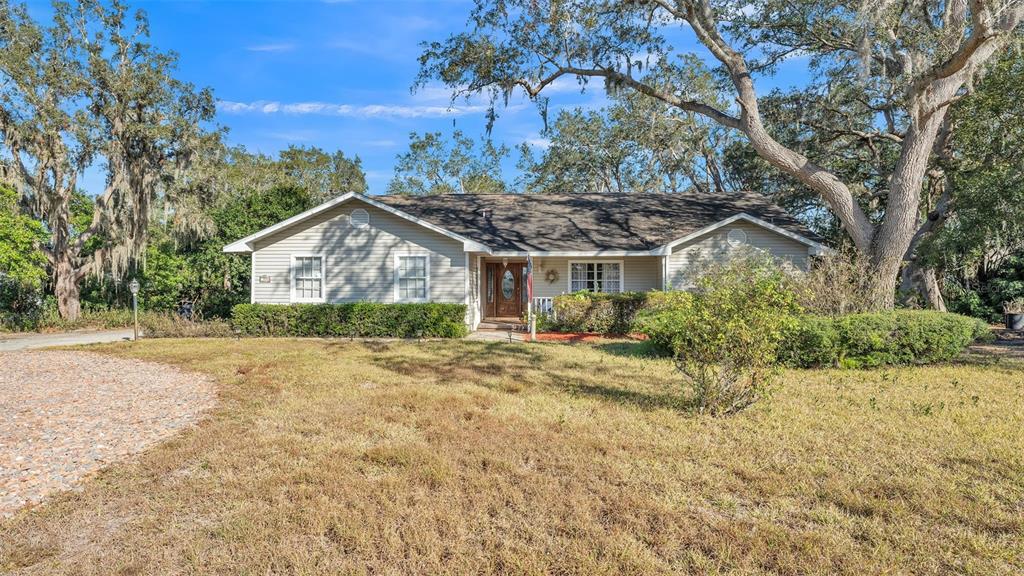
{"type": "Point", "coordinates": [544, 305]}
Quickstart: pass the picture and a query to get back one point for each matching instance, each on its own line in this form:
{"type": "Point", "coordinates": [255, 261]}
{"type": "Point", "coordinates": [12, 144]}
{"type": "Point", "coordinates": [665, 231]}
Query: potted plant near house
{"type": "Point", "coordinates": [1014, 311]}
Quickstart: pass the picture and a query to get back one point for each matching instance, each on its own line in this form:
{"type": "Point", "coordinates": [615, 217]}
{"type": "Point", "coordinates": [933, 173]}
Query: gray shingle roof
{"type": "Point", "coordinates": [586, 222]}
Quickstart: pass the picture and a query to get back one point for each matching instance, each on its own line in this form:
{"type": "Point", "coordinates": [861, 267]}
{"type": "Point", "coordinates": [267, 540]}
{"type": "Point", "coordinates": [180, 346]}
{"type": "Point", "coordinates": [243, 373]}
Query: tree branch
{"type": "Point", "coordinates": [615, 76]}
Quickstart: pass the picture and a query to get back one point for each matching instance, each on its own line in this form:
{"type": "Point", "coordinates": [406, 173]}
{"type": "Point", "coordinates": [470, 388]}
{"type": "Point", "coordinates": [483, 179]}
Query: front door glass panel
{"type": "Point", "coordinates": [508, 284]}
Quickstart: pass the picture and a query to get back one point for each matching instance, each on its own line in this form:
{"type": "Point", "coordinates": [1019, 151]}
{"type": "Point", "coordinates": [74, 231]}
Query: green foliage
{"type": "Point", "coordinates": [167, 325]}
{"type": "Point", "coordinates": [45, 318]}
{"type": "Point", "coordinates": [22, 263]}
{"type": "Point", "coordinates": [604, 313]}
{"type": "Point", "coordinates": [322, 175]}
{"type": "Point", "coordinates": [664, 328]}
{"type": "Point", "coordinates": [434, 165]}
{"type": "Point", "coordinates": [727, 339]}
{"type": "Point", "coordinates": [85, 89]}
{"type": "Point", "coordinates": [166, 277]}
{"type": "Point", "coordinates": [880, 339]}
{"type": "Point", "coordinates": [981, 293]}
{"type": "Point", "coordinates": [360, 319]}
{"type": "Point", "coordinates": [635, 145]}
{"type": "Point", "coordinates": [200, 273]}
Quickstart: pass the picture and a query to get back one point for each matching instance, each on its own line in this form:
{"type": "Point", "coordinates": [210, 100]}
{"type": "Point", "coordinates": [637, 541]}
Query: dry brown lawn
{"type": "Point", "coordinates": [477, 458]}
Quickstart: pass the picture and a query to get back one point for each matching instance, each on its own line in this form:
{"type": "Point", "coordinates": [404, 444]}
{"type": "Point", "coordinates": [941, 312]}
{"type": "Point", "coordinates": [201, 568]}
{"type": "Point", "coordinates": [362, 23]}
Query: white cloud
{"type": "Point", "coordinates": [567, 84]}
{"type": "Point", "coordinates": [349, 110]}
{"type": "Point", "coordinates": [272, 47]}
{"type": "Point", "coordinates": [294, 135]}
{"type": "Point", "coordinates": [543, 143]}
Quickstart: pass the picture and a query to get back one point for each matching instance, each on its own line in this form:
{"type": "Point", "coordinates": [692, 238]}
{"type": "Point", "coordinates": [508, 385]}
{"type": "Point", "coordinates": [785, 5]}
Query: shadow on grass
{"type": "Point", "coordinates": [635, 398]}
{"type": "Point", "coordinates": [983, 356]}
{"type": "Point", "coordinates": [631, 349]}
{"type": "Point", "coordinates": [513, 368]}
{"type": "Point", "coordinates": [466, 361]}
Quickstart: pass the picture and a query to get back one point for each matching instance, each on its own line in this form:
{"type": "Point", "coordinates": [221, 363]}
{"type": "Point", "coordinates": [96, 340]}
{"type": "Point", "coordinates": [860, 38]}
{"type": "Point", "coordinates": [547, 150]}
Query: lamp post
{"type": "Point", "coordinates": [134, 287]}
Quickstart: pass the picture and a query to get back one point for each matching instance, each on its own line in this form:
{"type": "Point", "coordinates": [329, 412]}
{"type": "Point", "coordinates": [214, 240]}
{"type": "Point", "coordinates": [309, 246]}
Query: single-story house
{"type": "Point", "coordinates": [472, 249]}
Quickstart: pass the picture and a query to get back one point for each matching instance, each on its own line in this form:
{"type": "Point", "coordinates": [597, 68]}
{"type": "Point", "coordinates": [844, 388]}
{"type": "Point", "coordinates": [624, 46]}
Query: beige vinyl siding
{"type": "Point", "coordinates": [359, 263]}
{"type": "Point", "coordinates": [689, 258]}
{"type": "Point", "coordinates": [640, 273]}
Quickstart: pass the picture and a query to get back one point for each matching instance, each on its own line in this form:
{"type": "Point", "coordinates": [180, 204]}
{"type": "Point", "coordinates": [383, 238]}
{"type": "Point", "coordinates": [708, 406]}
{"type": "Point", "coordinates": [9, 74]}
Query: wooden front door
{"type": "Point", "coordinates": [504, 289]}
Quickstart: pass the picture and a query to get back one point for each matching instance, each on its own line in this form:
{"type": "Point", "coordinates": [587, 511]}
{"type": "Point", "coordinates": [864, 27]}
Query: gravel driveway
{"type": "Point", "coordinates": [66, 414]}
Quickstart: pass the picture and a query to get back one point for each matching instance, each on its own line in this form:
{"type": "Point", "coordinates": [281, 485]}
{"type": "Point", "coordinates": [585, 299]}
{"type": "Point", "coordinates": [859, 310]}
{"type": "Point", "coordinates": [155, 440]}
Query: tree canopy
{"type": "Point", "coordinates": [21, 260]}
{"type": "Point", "coordinates": [892, 68]}
{"type": "Point", "coordinates": [89, 89]}
{"type": "Point", "coordinates": [456, 165]}
{"type": "Point", "coordinates": [636, 144]}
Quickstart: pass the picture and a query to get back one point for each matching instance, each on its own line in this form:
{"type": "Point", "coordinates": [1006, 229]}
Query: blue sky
{"type": "Point", "coordinates": [337, 75]}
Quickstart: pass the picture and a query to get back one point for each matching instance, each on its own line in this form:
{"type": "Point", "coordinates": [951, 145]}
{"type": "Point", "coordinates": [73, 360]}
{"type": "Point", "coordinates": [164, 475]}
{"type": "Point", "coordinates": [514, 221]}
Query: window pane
{"type": "Point", "coordinates": [578, 271]}
{"type": "Point", "coordinates": [508, 284]}
{"type": "Point", "coordinates": [309, 277]}
{"type": "Point", "coordinates": [612, 277]}
{"type": "Point", "coordinates": [490, 284]}
{"type": "Point", "coordinates": [412, 277]}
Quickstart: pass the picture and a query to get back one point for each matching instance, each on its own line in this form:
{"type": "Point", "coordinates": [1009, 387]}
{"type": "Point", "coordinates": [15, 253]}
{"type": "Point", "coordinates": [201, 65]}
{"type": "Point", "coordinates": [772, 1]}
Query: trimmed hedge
{"type": "Point", "coordinates": [358, 319]}
{"type": "Point", "coordinates": [880, 339]}
{"type": "Point", "coordinates": [616, 313]}
{"type": "Point", "coordinates": [852, 341]}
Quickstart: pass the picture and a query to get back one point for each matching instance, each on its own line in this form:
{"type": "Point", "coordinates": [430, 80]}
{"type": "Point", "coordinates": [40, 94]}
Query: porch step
{"type": "Point", "coordinates": [502, 325]}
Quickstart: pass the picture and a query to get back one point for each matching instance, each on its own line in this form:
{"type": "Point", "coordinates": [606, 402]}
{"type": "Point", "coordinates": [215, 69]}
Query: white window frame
{"type": "Point", "coordinates": [291, 279]}
{"type": "Point", "coordinates": [398, 298]}
{"type": "Point", "coordinates": [622, 272]}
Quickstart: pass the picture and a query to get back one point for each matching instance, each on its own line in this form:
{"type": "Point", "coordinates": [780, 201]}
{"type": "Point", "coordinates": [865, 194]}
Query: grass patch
{"type": "Point", "coordinates": [472, 457]}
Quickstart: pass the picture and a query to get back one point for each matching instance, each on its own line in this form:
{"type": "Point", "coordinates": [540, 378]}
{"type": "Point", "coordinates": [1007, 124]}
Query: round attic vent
{"type": "Point", "coordinates": [360, 218]}
{"type": "Point", "coordinates": [736, 237]}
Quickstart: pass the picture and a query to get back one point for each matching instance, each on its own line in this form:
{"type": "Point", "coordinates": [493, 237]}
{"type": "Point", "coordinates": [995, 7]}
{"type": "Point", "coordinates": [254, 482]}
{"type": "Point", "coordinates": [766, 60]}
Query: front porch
{"type": "Point", "coordinates": [497, 291]}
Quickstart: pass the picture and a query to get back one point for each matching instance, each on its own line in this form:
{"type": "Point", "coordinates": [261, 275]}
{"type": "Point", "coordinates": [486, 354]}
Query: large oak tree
{"type": "Point", "coordinates": [905, 62]}
{"type": "Point", "coordinates": [89, 90]}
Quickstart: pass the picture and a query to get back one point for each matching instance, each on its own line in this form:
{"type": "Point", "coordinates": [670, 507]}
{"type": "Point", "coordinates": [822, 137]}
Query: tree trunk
{"type": "Point", "coordinates": [916, 281]}
{"type": "Point", "coordinates": [894, 235]}
{"type": "Point", "coordinates": [66, 288]}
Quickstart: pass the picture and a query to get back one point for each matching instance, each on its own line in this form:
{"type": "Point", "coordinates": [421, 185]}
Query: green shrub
{"type": "Point", "coordinates": [167, 325]}
{"type": "Point", "coordinates": [45, 318]}
{"type": "Point", "coordinates": [726, 337]}
{"type": "Point", "coordinates": [616, 313]}
{"type": "Point", "coordinates": [359, 319]}
{"type": "Point", "coordinates": [726, 344]}
{"type": "Point", "coordinates": [878, 339]}
{"type": "Point", "coordinates": [664, 327]}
